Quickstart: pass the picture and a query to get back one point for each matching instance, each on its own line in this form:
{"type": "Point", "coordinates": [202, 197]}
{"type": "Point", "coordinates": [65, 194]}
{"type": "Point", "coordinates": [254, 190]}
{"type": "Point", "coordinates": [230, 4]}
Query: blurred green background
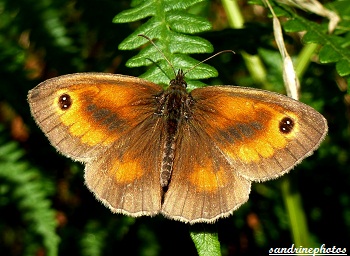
{"type": "Point", "coordinates": [45, 207]}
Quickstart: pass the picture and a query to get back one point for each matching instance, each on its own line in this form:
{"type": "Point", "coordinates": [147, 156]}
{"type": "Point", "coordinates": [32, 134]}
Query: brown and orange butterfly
{"type": "Point", "coordinates": [189, 156]}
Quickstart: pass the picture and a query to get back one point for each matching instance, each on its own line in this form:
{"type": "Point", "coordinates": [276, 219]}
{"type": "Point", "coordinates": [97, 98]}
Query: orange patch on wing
{"type": "Point", "coordinates": [127, 171]}
{"type": "Point", "coordinates": [80, 125]}
{"type": "Point", "coordinates": [119, 99]}
{"type": "Point", "coordinates": [236, 108]}
{"type": "Point", "coordinates": [264, 142]}
{"type": "Point", "coordinates": [204, 178]}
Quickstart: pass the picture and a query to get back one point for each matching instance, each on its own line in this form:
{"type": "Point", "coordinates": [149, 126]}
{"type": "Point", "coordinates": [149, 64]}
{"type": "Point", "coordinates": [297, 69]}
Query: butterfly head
{"type": "Point", "coordinates": [179, 80]}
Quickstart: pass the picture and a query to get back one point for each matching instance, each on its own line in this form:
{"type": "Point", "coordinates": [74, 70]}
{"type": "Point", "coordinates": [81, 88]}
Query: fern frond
{"type": "Point", "coordinates": [24, 187]}
{"type": "Point", "coordinates": [169, 26]}
{"type": "Point", "coordinates": [334, 48]}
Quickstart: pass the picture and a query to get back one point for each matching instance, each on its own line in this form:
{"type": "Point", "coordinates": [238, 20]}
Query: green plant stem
{"type": "Point", "coordinates": [304, 59]}
{"type": "Point", "coordinates": [253, 62]}
{"type": "Point", "coordinates": [297, 218]}
{"type": "Point", "coordinates": [255, 68]}
{"type": "Point", "coordinates": [234, 15]}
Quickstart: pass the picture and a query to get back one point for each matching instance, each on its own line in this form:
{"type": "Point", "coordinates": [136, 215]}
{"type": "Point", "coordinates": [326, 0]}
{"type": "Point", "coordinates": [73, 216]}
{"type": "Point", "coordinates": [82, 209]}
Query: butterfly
{"type": "Point", "coordinates": [190, 156]}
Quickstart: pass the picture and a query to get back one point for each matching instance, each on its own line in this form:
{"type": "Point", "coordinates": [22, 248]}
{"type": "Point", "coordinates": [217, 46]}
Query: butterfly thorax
{"type": "Point", "coordinates": [174, 106]}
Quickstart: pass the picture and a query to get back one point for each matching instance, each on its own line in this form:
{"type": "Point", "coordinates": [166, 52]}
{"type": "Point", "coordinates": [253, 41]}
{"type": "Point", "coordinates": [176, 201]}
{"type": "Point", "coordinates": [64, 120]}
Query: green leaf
{"type": "Point", "coordinates": [293, 25]}
{"type": "Point", "coordinates": [343, 67]}
{"type": "Point", "coordinates": [149, 55]}
{"type": "Point", "coordinates": [328, 54]}
{"type": "Point", "coordinates": [179, 5]}
{"type": "Point", "coordinates": [179, 22]}
{"type": "Point", "coordinates": [206, 242]}
{"type": "Point", "coordinates": [152, 28]}
{"type": "Point", "coordinates": [188, 44]}
{"type": "Point", "coordinates": [140, 12]}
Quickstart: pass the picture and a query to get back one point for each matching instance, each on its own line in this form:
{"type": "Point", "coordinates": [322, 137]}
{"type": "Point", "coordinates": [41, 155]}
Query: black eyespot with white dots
{"type": "Point", "coordinates": [286, 125]}
{"type": "Point", "coordinates": [65, 101]}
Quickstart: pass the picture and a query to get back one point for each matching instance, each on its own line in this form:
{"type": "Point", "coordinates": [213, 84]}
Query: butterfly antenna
{"type": "Point", "coordinates": [159, 50]}
{"type": "Point", "coordinates": [216, 54]}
